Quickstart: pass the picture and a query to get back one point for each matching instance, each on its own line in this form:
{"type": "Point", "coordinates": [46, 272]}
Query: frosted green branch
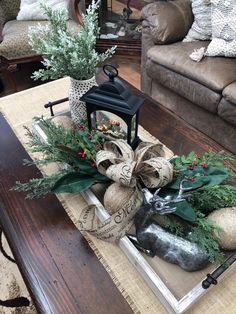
{"type": "Point", "coordinates": [65, 51]}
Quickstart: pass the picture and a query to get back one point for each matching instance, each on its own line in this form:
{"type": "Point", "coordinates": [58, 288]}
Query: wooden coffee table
{"type": "Point", "coordinates": [60, 269]}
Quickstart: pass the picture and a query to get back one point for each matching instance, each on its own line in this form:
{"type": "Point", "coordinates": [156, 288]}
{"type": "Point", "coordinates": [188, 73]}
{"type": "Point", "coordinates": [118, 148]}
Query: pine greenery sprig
{"type": "Point", "coordinates": [65, 145]}
{"type": "Point", "coordinates": [172, 223]}
{"type": "Point", "coordinates": [67, 52]}
{"type": "Point", "coordinates": [206, 177]}
{"type": "Point", "coordinates": [203, 233]}
{"type": "Point", "coordinates": [75, 149]}
{"type": "Point", "coordinates": [39, 187]}
{"type": "Point", "coordinates": [213, 197]}
{"type": "Point", "coordinates": [218, 158]}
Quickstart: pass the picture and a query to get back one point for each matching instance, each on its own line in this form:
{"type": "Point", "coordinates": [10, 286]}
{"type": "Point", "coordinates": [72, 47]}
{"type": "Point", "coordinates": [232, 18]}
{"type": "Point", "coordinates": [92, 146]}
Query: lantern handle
{"type": "Point", "coordinates": [110, 74]}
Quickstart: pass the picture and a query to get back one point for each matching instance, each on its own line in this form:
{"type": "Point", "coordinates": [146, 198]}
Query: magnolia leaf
{"type": "Point", "coordinates": [185, 211]}
{"type": "Point", "coordinates": [201, 176]}
{"type": "Point", "coordinates": [197, 183]}
{"type": "Point", "coordinates": [73, 182]}
{"type": "Point", "coordinates": [99, 177]}
{"type": "Point", "coordinates": [183, 208]}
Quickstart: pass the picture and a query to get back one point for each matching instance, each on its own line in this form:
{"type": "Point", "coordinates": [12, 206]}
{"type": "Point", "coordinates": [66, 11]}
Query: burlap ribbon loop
{"type": "Point", "coordinates": [116, 226]}
{"type": "Point", "coordinates": [119, 163]}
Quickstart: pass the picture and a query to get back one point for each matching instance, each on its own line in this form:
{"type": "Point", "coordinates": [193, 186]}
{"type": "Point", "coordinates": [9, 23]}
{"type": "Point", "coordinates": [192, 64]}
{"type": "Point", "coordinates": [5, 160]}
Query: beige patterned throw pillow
{"type": "Point", "coordinates": [201, 27]}
{"type": "Point", "coordinates": [223, 29]}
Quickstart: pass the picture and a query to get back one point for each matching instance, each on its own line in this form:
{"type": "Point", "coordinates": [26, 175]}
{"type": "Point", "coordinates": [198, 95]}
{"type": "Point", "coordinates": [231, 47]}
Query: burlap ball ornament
{"type": "Point", "coordinates": [225, 218]}
{"type": "Point", "coordinates": [117, 195]}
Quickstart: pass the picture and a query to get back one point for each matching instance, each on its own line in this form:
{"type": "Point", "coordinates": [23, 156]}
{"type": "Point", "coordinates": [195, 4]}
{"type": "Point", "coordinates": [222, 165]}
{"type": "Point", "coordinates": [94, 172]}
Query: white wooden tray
{"type": "Point", "coordinates": [162, 283]}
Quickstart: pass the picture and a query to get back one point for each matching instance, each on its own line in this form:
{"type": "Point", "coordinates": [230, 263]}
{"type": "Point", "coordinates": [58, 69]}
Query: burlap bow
{"type": "Point", "coordinates": [123, 165]}
{"type": "Point", "coordinates": [127, 167]}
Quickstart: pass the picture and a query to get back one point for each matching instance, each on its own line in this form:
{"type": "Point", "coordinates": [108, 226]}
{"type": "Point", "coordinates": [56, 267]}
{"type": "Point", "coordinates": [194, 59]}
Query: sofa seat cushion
{"type": "Point", "coordinates": [15, 42]}
{"type": "Point", "coordinates": [214, 72]}
{"type": "Point", "coordinates": [227, 111]}
{"type": "Point", "coordinates": [211, 124]}
{"type": "Point", "coordinates": [229, 93]}
{"type": "Point", "coordinates": [227, 106]}
{"type": "Point", "coordinates": [183, 86]}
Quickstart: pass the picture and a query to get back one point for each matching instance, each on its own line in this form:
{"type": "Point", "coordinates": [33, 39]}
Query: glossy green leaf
{"type": "Point", "coordinates": [208, 176]}
{"type": "Point", "coordinates": [185, 211]}
{"type": "Point", "coordinates": [183, 208]}
{"type": "Point", "coordinates": [73, 182]}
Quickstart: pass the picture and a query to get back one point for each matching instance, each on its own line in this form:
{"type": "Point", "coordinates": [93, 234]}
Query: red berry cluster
{"type": "Point", "coordinates": [82, 154]}
{"type": "Point", "coordinates": [116, 123]}
{"type": "Point", "coordinates": [81, 127]}
{"type": "Point", "coordinates": [196, 164]}
{"type": "Point", "coordinates": [85, 153]}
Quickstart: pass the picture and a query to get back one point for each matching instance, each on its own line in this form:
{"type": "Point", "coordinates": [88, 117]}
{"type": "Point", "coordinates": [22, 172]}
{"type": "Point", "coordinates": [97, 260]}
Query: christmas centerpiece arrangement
{"type": "Point", "coordinates": [187, 199]}
{"type": "Point", "coordinates": [183, 207]}
{"type": "Point", "coordinates": [69, 51]}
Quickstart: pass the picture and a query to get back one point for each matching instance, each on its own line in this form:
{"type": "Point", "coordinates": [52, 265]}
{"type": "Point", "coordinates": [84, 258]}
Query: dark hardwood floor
{"type": "Point", "coordinates": [22, 76]}
{"type": "Point", "coordinates": [128, 67]}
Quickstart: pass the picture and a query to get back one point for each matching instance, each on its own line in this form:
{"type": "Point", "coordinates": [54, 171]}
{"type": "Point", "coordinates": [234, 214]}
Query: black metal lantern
{"type": "Point", "coordinates": [112, 109]}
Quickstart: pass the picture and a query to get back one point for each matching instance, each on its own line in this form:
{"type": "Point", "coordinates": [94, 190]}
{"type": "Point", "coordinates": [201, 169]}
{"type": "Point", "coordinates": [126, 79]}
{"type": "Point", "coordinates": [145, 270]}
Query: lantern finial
{"type": "Point", "coordinates": [111, 74]}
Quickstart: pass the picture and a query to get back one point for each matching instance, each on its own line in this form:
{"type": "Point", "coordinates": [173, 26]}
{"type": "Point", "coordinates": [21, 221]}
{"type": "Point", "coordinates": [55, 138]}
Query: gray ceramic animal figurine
{"type": "Point", "coordinates": [155, 240]}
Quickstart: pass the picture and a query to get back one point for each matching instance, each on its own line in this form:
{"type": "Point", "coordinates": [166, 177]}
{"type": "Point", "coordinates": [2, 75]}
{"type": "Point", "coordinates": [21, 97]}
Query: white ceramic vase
{"type": "Point", "coordinates": [77, 89]}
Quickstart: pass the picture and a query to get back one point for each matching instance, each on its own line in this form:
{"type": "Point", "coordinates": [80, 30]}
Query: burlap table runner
{"type": "Point", "coordinates": [19, 109]}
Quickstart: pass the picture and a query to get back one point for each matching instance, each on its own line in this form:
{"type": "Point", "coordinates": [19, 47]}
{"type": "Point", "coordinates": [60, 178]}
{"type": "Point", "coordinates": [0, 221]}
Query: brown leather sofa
{"type": "Point", "coordinates": [203, 93]}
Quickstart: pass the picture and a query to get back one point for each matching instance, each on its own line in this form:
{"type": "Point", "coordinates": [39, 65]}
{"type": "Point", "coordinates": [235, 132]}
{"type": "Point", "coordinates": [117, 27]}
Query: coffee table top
{"type": "Point", "coordinates": [61, 271]}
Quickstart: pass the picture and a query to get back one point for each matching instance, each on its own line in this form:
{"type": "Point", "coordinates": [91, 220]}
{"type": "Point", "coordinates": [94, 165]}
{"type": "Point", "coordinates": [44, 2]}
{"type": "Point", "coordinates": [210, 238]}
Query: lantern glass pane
{"type": "Point", "coordinates": [109, 124]}
{"type": "Point", "coordinates": [94, 120]}
{"type": "Point", "coordinates": [133, 128]}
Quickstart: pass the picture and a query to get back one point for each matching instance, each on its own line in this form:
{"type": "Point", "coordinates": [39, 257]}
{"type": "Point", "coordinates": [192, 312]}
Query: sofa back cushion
{"type": "Point", "coordinates": [201, 27]}
{"type": "Point", "coordinates": [31, 10]}
{"type": "Point", "coordinates": [167, 22]}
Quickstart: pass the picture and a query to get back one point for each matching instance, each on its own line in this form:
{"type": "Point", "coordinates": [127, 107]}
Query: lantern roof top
{"type": "Point", "coordinates": [113, 95]}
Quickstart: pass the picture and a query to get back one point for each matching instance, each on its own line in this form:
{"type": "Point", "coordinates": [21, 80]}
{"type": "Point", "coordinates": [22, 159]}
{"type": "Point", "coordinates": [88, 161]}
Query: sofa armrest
{"type": "Point", "coordinates": [167, 21]}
